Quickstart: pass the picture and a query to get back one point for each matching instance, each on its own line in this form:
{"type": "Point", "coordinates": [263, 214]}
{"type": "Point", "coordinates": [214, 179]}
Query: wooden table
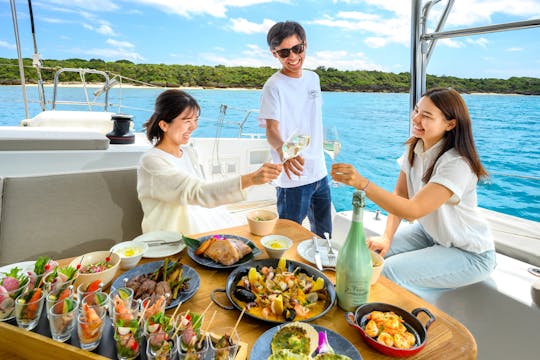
{"type": "Point", "coordinates": [447, 338]}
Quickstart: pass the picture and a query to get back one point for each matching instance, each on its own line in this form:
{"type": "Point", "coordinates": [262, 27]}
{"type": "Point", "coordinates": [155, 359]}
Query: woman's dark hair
{"type": "Point", "coordinates": [169, 104]}
{"type": "Point", "coordinates": [282, 30]}
{"type": "Point", "coordinates": [452, 105]}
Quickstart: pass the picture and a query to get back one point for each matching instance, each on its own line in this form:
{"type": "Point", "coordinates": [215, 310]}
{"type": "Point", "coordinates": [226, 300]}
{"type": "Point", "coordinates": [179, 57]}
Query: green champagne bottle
{"type": "Point", "coordinates": [353, 267]}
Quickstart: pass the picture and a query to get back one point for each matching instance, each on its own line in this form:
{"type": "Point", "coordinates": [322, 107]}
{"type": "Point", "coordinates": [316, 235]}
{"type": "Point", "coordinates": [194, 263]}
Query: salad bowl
{"type": "Point", "coordinates": [97, 265]}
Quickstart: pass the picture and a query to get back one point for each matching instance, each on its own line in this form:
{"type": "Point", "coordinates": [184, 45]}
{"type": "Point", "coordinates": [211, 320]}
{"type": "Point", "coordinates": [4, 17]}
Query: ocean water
{"type": "Point", "coordinates": [372, 128]}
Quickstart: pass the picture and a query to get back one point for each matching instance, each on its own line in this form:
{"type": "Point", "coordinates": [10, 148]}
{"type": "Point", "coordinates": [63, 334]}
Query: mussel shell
{"type": "Point", "coordinates": [243, 294]}
{"type": "Point", "coordinates": [289, 314]}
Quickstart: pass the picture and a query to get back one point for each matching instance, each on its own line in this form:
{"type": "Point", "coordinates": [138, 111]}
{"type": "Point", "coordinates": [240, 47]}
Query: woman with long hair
{"type": "Point", "coordinates": [449, 244]}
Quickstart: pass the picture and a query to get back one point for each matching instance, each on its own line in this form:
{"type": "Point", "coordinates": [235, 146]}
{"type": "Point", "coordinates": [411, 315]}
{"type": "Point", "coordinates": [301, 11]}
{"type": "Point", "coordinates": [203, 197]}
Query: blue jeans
{"type": "Point", "coordinates": [311, 200]}
{"type": "Point", "coordinates": [416, 262]}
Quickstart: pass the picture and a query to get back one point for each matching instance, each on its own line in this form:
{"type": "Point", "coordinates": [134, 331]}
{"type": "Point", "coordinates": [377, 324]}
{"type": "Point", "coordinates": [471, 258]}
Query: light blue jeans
{"type": "Point", "coordinates": [420, 265]}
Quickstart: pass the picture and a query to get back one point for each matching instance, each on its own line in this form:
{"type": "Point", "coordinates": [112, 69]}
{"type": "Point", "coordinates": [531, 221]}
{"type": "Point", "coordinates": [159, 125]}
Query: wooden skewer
{"type": "Point", "coordinates": [238, 321]}
{"type": "Point", "coordinates": [144, 310]}
{"type": "Point", "coordinates": [178, 327]}
{"type": "Point", "coordinates": [175, 311]}
{"type": "Point", "coordinates": [202, 314]}
{"type": "Point", "coordinates": [208, 327]}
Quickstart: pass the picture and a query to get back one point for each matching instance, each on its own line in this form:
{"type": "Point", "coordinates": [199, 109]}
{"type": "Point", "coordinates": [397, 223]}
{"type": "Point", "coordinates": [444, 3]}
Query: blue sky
{"type": "Point", "coordinates": [344, 34]}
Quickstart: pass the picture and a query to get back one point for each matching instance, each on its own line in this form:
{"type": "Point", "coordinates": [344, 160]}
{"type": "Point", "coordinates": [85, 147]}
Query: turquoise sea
{"type": "Point", "coordinates": [372, 126]}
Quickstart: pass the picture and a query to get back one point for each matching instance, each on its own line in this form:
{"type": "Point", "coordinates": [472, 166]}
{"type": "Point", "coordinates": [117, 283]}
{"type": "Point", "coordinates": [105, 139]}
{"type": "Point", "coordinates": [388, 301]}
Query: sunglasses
{"type": "Point", "coordinates": [297, 49]}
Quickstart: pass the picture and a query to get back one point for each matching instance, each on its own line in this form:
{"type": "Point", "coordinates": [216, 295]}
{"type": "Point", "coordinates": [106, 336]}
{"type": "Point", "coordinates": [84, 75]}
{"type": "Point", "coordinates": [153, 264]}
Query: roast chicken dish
{"type": "Point", "coordinates": [226, 251]}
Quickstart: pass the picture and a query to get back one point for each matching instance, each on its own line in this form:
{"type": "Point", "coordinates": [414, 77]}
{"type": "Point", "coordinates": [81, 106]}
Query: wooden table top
{"type": "Point", "coordinates": [446, 337]}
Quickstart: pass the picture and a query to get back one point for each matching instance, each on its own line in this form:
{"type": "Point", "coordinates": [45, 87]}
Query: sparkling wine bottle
{"type": "Point", "coordinates": [354, 268]}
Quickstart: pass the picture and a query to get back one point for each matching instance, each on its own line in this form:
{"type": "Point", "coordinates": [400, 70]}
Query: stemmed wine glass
{"type": "Point", "coordinates": [332, 146]}
{"type": "Point", "coordinates": [293, 146]}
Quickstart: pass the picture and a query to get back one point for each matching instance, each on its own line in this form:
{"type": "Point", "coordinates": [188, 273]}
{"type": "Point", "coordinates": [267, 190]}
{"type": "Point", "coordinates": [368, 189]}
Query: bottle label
{"type": "Point", "coordinates": [354, 295]}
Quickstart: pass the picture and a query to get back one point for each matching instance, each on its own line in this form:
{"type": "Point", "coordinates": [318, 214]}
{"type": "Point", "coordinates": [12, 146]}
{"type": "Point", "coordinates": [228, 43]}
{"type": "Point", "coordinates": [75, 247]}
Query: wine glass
{"type": "Point", "coordinates": [294, 144]}
{"type": "Point", "coordinates": [332, 146]}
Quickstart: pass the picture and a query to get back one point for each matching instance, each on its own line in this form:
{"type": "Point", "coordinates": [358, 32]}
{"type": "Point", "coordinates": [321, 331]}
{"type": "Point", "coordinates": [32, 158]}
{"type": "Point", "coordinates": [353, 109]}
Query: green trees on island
{"type": "Point", "coordinates": [254, 77]}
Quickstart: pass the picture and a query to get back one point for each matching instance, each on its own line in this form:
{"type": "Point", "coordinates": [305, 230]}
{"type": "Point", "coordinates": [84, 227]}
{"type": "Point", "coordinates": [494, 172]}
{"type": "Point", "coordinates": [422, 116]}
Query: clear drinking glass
{"type": "Point", "coordinates": [7, 304]}
{"type": "Point", "coordinates": [224, 343]}
{"type": "Point", "coordinates": [193, 354]}
{"type": "Point", "coordinates": [52, 298]}
{"type": "Point", "coordinates": [332, 146]}
{"type": "Point", "coordinates": [62, 319]}
{"type": "Point", "coordinates": [28, 312]}
{"type": "Point", "coordinates": [82, 291]}
{"type": "Point", "coordinates": [123, 294]}
{"type": "Point", "coordinates": [90, 323]}
{"type": "Point", "coordinates": [160, 347]}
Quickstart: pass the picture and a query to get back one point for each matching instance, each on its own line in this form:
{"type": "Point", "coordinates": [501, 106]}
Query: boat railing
{"type": "Point", "coordinates": [423, 42]}
{"type": "Point", "coordinates": [221, 122]}
{"type": "Point", "coordinates": [82, 74]}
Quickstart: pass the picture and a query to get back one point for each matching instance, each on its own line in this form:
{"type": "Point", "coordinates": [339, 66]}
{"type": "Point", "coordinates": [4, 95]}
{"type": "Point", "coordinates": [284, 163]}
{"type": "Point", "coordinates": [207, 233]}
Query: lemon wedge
{"type": "Point", "coordinates": [318, 285]}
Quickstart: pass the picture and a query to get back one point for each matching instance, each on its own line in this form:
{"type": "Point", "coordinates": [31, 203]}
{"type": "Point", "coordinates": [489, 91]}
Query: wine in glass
{"type": "Point", "coordinates": [294, 145]}
{"type": "Point", "coordinates": [332, 146]}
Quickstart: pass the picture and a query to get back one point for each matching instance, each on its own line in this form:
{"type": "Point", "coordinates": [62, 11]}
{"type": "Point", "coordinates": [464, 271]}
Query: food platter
{"type": "Point", "coordinates": [262, 348]}
{"type": "Point", "coordinates": [148, 268]}
{"type": "Point", "coordinates": [306, 250]}
{"type": "Point", "coordinates": [292, 266]}
{"type": "Point", "coordinates": [204, 261]}
{"type": "Point", "coordinates": [25, 266]}
{"type": "Point", "coordinates": [165, 249]}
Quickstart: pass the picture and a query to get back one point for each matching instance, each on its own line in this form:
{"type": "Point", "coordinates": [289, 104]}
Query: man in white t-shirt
{"type": "Point", "coordinates": [291, 103]}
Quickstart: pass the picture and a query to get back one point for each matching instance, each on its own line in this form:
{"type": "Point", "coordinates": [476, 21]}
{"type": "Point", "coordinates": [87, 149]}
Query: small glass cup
{"type": "Point", "coordinates": [127, 338]}
{"type": "Point", "coordinates": [153, 305]}
{"type": "Point", "coordinates": [122, 293]}
{"type": "Point", "coordinates": [224, 343]}
{"type": "Point", "coordinates": [29, 313]}
{"type": "Point", "coordinates": [62, 319]}
{"type": "Point", "coordinates": [54, 285]}
{"type": "Point", "coordinates": [82, 291]}
{"type": "Point", "coordinates": [7, 305]}
{"type": "Point", "coordinates": [194, 354]}
{"type": "Point", "coordinates": [90, 323]}
{"type": "Point", "coordinates": [98, 298]}
{"type": "Point", "coordinates": [160, 346]}
{"type": "Point", "coordinates": [53, 298]}
{"type": "Point", "coordinates": [161, 325]}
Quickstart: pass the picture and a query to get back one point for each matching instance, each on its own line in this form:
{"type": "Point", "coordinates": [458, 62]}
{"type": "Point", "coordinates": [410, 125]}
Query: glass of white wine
{"type": "Point", "coordinates": [332, 146]}
{"type": "Point", "coordinates": [294, 145]}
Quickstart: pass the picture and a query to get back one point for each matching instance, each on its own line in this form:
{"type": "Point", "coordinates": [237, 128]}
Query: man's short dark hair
{"type": "Point", "coordinates": [282, 30]}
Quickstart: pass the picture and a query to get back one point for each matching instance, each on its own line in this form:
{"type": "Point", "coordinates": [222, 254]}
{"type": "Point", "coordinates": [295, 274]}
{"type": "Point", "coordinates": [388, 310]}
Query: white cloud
{"type": "Point", "coordinates": [110, 54]}
{"type": "Point", "coordinates": [242, 25]}
{"type": "Point", "coordinates": [451, 43]}
{"type": "Point", "coordinates": [93, 5]}
{"type": "Point", "coordinates": [483, 42]}
{"type": "Point", "coordinates": [514, 49]}
{"type": "Point", "coordinates": [216, 8]}
{"type": "Point", "coordinates": [120, 44]}
{"type": "Point", "coordinates": [6, 45]}
{"type": "Point", "coordinates": [105, 29]}
{"type": "Point", "coordinates": [342, 60]}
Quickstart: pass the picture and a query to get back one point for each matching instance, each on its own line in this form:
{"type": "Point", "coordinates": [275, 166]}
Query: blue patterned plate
{"type": "Point", "coordinates": [148, 268]}
{"type": "Point", "coordinates": [262, 348]}
{"type": "Point", "coordinates": [204, 261]}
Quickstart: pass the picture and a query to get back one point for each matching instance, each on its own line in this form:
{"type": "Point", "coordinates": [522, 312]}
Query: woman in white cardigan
{"type": "Point", "coordinates": [170, 184]}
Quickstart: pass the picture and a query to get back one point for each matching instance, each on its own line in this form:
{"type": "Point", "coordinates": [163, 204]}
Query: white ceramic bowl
{"type": "Point", "coordinates": [276, 245]}
{"type": "Point", "coordinates": [105, 276]}
{"type": "Point", "coordinates": [130, 253]}
{"type": "Point", "coordinates": [261, 222]}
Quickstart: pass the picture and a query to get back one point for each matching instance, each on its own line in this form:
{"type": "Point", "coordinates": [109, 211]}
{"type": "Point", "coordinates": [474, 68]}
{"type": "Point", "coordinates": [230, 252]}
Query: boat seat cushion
{"type": "Point", "coordinates": [68, 214]}
{"type": "Point", "coordinates": [26, 138]}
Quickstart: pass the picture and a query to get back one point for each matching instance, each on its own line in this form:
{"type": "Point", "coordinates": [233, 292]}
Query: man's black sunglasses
{"type": "Point", "coordinates": [297, 49]}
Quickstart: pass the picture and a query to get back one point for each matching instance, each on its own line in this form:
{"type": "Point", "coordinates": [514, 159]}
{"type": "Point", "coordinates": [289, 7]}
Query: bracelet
{"type": "Point", "coordinates": [365, 187]}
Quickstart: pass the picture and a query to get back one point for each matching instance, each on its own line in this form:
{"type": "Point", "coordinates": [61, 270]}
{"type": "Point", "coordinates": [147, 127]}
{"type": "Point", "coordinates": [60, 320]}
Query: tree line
{"type": "Point", "coordinates": [221, 76]}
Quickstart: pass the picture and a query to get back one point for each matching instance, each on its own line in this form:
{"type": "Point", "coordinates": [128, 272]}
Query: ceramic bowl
{"type": "Point", "coordinates": [261, 222]}
{"type": "Point", "coordinates": [106, 276]}
{"type": "Point", "coordinates": [276, 245]}
{"type": "Point", "coordinates": [378, 264]}
{"type": "Point", "coordinates": [130, 253]}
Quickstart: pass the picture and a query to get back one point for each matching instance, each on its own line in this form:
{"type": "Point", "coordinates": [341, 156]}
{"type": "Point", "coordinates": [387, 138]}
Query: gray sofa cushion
{"type": "Point", "coordinates": [26, 138]}
{"type": "Point", "coordinates": [65, 215]}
